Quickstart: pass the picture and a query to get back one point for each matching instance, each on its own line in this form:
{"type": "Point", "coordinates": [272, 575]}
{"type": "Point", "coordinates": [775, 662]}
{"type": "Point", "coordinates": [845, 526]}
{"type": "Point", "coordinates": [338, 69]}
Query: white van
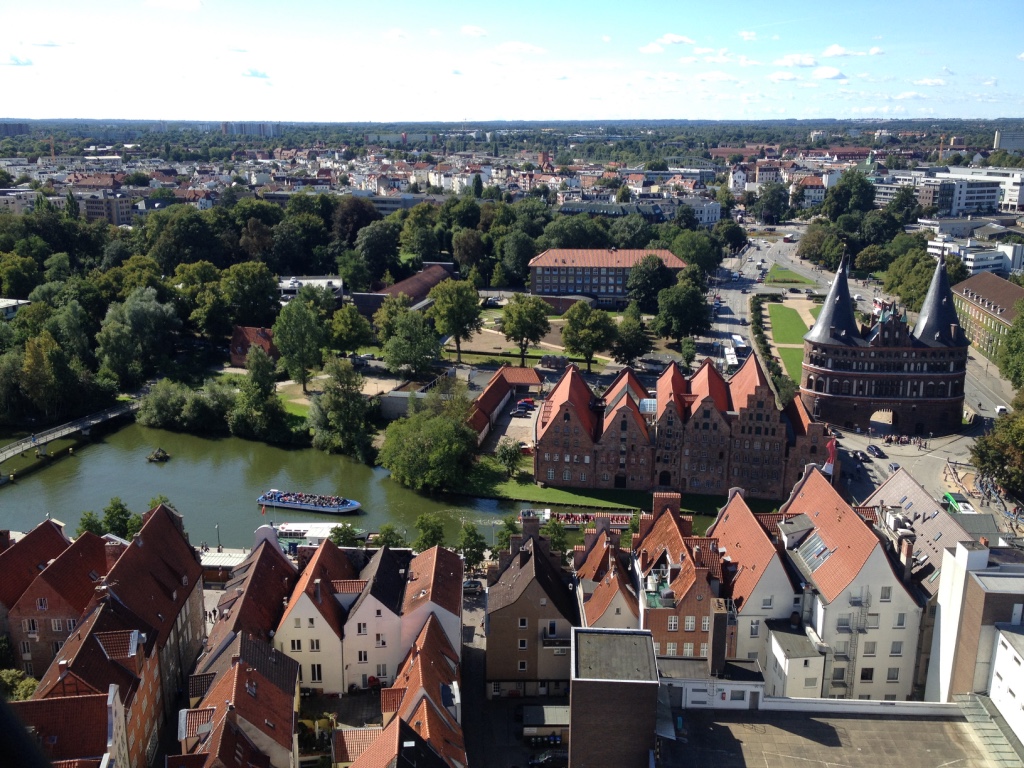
{"type": "Point", "coordinates": [1001, 409]}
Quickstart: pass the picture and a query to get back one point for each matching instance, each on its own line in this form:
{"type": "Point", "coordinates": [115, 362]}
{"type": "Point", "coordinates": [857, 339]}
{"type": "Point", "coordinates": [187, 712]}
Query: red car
{"type": "Point", "coordinates": [528, 402]}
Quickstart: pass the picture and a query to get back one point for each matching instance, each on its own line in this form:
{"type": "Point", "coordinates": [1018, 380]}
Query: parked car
{"type": "Point", "coordinates": [858, 297]}
{"type": "Point", "coordinates": [861, 456]}
{"type": "Point", "coordinates": [743, 290]}
{"type": "Point", "coordinates": [552, 758]}
{"type": "Point", "coordinates": [1001, 409]}
{"type": "Point", "coordinates": [894, 467]}
{"type": "Point", "coordinates": [809, 291]}
{"type": "Point", "coordinates": [528, 400]}
{"type": "Point", "coordinates": [836, 434]}
{"type": "Point", "coordinates": [793, 290]}
{"type": "Point", "coordinates": [521, 413]}
{"type": "Point", "coordinates": [526, 405]}
{"type": "Point", "coordinates": [875, 451]}
{"type": "Point", "coordinates": [472, 587]}
{"type": "Point", "coordinates": [743, 321]}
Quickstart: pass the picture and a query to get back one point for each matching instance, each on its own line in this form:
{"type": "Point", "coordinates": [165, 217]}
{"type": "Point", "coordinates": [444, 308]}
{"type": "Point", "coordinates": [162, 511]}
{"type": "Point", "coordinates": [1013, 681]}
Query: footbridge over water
{"type": "Point", "coordinates": [84, 424]}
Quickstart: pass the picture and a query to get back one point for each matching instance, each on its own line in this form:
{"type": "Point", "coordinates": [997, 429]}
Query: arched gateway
{"type": "Point", "coordinates": [850, 372]}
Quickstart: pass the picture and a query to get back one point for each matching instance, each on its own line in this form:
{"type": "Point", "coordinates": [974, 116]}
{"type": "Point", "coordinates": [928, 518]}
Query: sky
{"type": "Point", "coordinates": [395, 61]}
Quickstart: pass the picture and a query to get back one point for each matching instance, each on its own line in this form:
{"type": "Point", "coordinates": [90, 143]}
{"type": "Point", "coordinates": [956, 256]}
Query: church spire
{"type": "Point", "coordinates": [836, 323]}
{"type": "Point", "coordinates": [938, 324]}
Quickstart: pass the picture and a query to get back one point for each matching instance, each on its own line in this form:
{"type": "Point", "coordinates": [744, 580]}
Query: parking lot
{"type": "Point", "coordinates": [518, 428]}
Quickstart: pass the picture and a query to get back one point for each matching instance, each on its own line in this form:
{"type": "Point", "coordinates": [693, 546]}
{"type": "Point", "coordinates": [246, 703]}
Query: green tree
{"type": "Point", "coordinates": [413, 347]}
{"type": "Point", "coordinates": [587, 331]}
{"type": "Point", "coordinates": [350, 330]}
{"type": "Point", "coordinates": [686, 217]}
{"type": "Point", "coordinates": [632, 340]}
{"type": "Point", "coordinates": [509, 455]}
{"type": "Point", "coordinates": [116, 518]}
{"type": "Point", "coordinates": [725, 199]}
{"type": "Point", "coordinates": [515, 251]}
{"type": "Point", "coordinates": [731, 233]}
{"type": "Point", "coordinates": [509, 528]}
{"type": "Point", "coordinates": [904, 206]}
{"type": "Point", "coordinates": [688, 352]}
{"type": "Point", "coordinates": [772, 202]}
{"type": "Point", "coordinates": [632, 231]}
{"type": "Point", "coordinates": [682, 312]}
{"type": "Point", "coordinates": [431, 530]}
{"type": "Point", "coordinates": [90, 522]}
{"type": "Point", "coordinates": [300, 335]}
{"type": "Point", "coordinates": [698, 248]}
{"type": "Point", "coordinates": [467, 248]}
{"type": "Point", "coordinates": [135, 336]}
{"type": "Point", "coordinates": [999, 453]}
{"type": "Point", "coordinates": [471, 544]}
{"type": "Point", "coordinates": [386, 318]}
{"type": "Point", "coordinates": [378, 243]}
{"type": "Point", "coordinates": [338, 417]}
{"type": "Point", "coordinates": [554, 529]}
{"type": "Point", "coordinates": [456, 311]}
{"type": "Point", "coordinates": [351, 215]}
{"type": "Point", "coordinates": [478, 186]}
{"type": "Point", "coordinates": [872, 259]}
{"type": "Point", "coordinates": [258, 412]}
{"type": "Point", "coordinates": [623, 195]}
{"type": "Point", "coordinates": [852, 193]}
{"type": "Point", "coordinates": [389, 536]}
{"type": "Point", "coordinates": [428, 451]}
{"type": "Point", "coordinates": [646, 280]}
{"type": "Point", "coordinates": [345, 535]}
{"type": "Point", "coordinates": [1011, 353]}
{"type": "Point", "coordinates": [250, 291]}
{"type": "Point", "coordinates": [525, 322]}
{"type": "Point", "coordinates": [910, 275]}
{"type": "Point", "coordinates": [15, 685]}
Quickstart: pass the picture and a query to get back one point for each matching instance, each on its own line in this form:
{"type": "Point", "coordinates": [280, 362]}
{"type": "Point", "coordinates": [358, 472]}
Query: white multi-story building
{"type": "Point", "coordinates": [708, 212]}
{"type": "Point", "coordinates": [855, 608]}
{"type": "Point", "coordinates": [1002, 258]}
{"type": "Point", "coordinates": [1006, 682]}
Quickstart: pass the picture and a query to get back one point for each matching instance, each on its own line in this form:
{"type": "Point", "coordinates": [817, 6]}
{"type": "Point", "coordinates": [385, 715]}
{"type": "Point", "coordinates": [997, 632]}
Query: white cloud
{"type": "Point", "coordinates": [396, 34]}
{"type": "Point", "coordinates": [516, 46]}
{"type": "Point", "coordinates": [702, 51]}
{"type": "Point", "coordinates": [748, 36]}
{"type": "Point", "coordinates": [776, 37]}
{"type": "Point", "coordinates": [651, 48]}
{"type": "Point", "coordinates": [743, 61]}
{"type": "Point", "coordinates": [796, 60]}
{"type": "Point", "coordinates": [716, 76]}
{"type": "Point", "coordinates": [932, 81]}
{"type": "Point", "coordinates": [948, 71]}
{"type": "Point", "coordinates": [469, 30]}
{"type": "Point", "coordinates": [606, 38]}
{"type": "Point", "coordinates": [908, 95]}
{"type": "Point", "coordinates": [255, 73]}
{"type": "Point", "coordinates": [991, 82]}
{"type": "Point", "coordinates": [456, 72]}
{"type": "Point", "coordinates": [1020, 56]}
{"type": "Point", "coordinates": [673, 39]}
{"type": "Point", "coordinates": [838, 50]}
{"type": "Point", "coordinates": [687, 59]}
{"type": "Point", "coordinates": [827, 73]}
{"type": "Point", "coordinates": [722, 57]}
{"type": "Point", "coordinates": [15, 61]}
{"type": "Point", "coordinates": [778, 77]}
{"type": "Point", "coordinates": [875, 51]}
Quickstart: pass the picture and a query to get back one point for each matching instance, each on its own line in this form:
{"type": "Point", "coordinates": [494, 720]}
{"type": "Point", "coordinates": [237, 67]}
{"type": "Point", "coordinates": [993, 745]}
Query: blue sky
{"type": "Point", "coordinates": [337, 60]}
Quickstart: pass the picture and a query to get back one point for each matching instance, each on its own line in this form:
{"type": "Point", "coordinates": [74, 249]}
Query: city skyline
{"type": "Point", "coordinates": [209, 60]}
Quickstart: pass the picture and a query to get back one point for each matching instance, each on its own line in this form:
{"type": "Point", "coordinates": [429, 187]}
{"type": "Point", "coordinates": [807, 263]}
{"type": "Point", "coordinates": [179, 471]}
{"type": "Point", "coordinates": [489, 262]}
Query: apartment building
{"type": "Point", "coordinates": [602, 274]}
{"type": "Point", "coordinates": [987, 306]}
{"type": "Point", "coordinates": [22, 560]}
{"type": "Point", "coordinates": [604, 581]}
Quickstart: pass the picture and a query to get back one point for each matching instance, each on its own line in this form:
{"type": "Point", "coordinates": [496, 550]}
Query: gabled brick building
{"type": "Point", "coordinates": [701, 434]}
{"type": "Point", "coordinates": [22, 561]}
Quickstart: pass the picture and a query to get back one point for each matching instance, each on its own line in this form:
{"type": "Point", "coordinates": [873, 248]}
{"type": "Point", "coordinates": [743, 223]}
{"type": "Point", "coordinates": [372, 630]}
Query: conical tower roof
{"type": "Point", "coordinates": [938, 324]}
{"type": "Point", "coordinates": [837, 313]}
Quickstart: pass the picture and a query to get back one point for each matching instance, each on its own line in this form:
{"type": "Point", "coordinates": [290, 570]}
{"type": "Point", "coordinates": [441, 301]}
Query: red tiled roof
{"type": "Point", "coordinates": [383, 752]}
{"type": "Point", "coordinates": [67, 727]}
{"type": "Point", "coordinates": [704, 551]}
{"type": "Point", "coordinates": [195, 718]}
{"type": "Point", "coordinates": [348, 586]}
{"type": "Point", "coordinates": [596, 564]}
{"type": "Point", "coordinates": [572, 392]}
{"type": "Point", "coordinates": [74, 574]}
{"type": "Point", "coordinates": [840, 529]}
{"type": "Point", "coordinates": [418, 286]}
{"type": "Point", "coordinates": [350, 743]}
{"type": "Point", "coordinates": [665, 536]}
{"type": "Point", "coordinates": [672, 387]}
{"type": "Point", "coordinates": [708, 382]}
{"type": "Point", "coordinates": [745, 382]}
{"type": "Point", "coordinates": [602, 257]}
{"type": "Point", "coordinates": [244, 337]}
{"type": "Point", "coordinates": [798, 416]}
{"type": "Point", "coordinates": [391, 699]}
{"type": "Point", "coordinates": [746, 543]}
{"type": "Point", "coordinates": [154, 577]}
{"type": "Point", "coordinates": [24, 560]}
{"type": "Point", "coordinates": [519, 377]}
{"type": "Point", "coordinates": [434, 576]}
{"type": "Point", "coordinates": [614, 583]}
{"type": "Point", "coordinates": [329, 564]}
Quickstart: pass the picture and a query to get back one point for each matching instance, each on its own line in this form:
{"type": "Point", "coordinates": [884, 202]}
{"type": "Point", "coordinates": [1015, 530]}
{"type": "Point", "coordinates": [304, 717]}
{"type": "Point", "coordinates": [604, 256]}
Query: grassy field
{"type": "Point", "coordinates": [787, 325]}
{"type": "Point", "coordinates": [792, 358]}
{"type": "Point", "coordinates": [488, 480]}
{"type": "Point", "coordinates": [778, 275]}
{"type": "Point", "coordinates": [815, 311]}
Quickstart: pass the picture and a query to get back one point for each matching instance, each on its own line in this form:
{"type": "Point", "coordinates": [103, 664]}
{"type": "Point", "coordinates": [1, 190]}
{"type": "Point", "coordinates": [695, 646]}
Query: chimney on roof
{"type": "Point", "coordinates": [316, 590]}
{"type": "Point", "coordinates": [62, 665]}
{"type": "Point", "coordinates": [907, 557]}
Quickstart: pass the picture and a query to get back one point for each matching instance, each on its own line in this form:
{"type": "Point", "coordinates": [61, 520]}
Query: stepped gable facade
{"type": "Point", "coordinates": [851, 372]}
{"type": "Point", "coordinates": [701, 434]}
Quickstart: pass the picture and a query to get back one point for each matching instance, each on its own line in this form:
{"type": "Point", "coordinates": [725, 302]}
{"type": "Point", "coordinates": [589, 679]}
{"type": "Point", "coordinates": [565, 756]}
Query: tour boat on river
{"type": "Point", "coordinates": [311, 534]}
{"type": "Point", "coordinates": [573, 521]}
{"type": "Point", "coordinates": [308, 502]}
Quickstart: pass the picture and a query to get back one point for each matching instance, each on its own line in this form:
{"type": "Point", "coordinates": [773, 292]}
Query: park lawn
{"type": "Point", "coordinates": [787, 325]}
{"type": "Point", "coordinates": [488, 480]}
{"type": "Point", "coordinates": [778, 274]}
{"type": "Point", "coordinates": [815, 311]}
{"type": "Point", "coordinates": [792, 359]}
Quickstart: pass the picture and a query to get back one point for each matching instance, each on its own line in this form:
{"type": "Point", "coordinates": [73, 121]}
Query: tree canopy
{"type": "Point", "coordinates": [587, 331]}
{"type": "Point", "coordinates": [525, 321]}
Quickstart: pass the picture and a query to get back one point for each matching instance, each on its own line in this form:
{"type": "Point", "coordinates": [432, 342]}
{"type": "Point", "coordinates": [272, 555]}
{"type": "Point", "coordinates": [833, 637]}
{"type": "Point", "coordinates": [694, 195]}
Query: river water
{"type": "Point", "coordinates": [214, 483]}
